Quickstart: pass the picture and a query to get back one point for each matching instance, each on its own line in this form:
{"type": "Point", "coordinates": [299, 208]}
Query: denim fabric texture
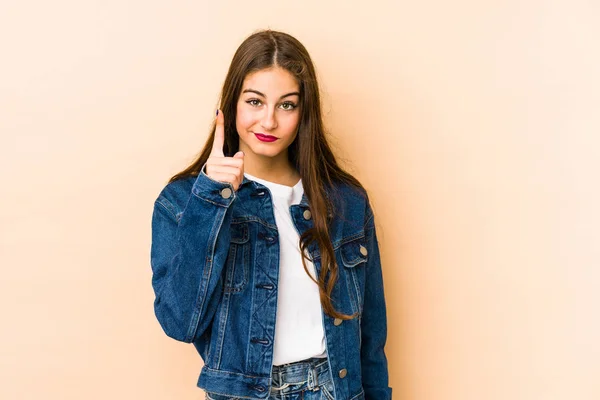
{"type": "Point", "coordinates": [215, 265]}
{"type": "Point", "coordinates": [303, 380]}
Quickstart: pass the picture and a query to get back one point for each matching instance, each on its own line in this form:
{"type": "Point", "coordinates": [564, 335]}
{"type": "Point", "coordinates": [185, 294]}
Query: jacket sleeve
{"type": "Point", "coordinates": [374, 322]}
{"type": "Point", "coordinates": [188, 253]}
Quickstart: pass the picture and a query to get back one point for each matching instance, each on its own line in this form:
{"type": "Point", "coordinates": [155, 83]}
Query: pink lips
{"type": "Point", "coordinates": [265, 138]}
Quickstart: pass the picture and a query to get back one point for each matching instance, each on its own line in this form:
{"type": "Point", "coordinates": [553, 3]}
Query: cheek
{"type": "Point", "coordinates": [244, 119]}
{"type": "Point", "coordinates": [292, 122]}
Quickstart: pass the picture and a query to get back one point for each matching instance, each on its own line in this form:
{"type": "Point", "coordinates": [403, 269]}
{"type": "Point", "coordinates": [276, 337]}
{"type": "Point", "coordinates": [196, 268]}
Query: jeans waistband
{"type": "Point", "coordinates": [312, 372]}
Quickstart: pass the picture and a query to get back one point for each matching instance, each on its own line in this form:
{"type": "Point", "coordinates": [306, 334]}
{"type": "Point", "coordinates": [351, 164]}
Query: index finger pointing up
{"type": "Point", "coordinates": [219, 140]}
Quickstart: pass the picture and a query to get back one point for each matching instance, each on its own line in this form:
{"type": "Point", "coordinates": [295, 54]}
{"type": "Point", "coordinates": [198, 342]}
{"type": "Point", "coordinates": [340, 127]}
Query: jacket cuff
{"type": "Point", "coordinates": [213, 191]}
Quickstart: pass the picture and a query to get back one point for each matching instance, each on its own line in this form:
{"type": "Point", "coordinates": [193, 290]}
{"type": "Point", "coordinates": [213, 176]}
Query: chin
{"type": "Point", "coordinates": [266, 153]}
{"type": "Point", "coordinates": [265, 150]}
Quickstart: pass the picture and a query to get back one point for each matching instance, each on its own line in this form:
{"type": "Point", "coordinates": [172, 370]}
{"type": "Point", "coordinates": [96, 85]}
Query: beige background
{"type": "Point", "coordinates": [473, 124]}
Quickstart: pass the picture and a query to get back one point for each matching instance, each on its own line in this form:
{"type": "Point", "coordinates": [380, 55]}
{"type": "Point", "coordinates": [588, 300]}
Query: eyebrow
{"type": "Point", "coordinates": [261, 94]}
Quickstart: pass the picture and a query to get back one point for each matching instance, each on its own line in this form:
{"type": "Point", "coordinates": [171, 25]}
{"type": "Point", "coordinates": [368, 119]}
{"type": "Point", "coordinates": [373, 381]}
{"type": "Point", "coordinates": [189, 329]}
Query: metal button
{"type": "Point", "coordinates": [226, 193]}
{"type": "Point", "coordinates": [337, 321]}
{"type": "Point", "coordinates": [363, 250]}
{"type": "Point", "coordinates": [259, 388]}
{"type": "Point", "coordinates": [343, 373]}
{"type": "Point", "coordinates": [307, 215]}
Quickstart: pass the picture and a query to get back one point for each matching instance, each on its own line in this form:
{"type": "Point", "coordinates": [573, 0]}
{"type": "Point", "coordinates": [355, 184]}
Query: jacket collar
{"type": "Point", "coordinates": [303, 201]}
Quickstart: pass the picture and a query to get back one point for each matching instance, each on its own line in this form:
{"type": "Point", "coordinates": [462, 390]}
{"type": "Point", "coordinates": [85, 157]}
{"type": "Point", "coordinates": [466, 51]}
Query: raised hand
{"type": "Point", "coordinates": [219, 167]}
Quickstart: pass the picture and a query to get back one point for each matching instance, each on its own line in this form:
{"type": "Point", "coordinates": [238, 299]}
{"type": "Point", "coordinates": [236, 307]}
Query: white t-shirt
{"type": "Point", "coordinates": [299, 323]}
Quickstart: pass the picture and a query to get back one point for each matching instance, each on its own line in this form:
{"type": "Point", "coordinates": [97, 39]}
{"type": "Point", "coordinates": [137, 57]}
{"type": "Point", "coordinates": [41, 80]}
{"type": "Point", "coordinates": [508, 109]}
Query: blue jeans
{"type": "Point", "coordinates": [303, 380]}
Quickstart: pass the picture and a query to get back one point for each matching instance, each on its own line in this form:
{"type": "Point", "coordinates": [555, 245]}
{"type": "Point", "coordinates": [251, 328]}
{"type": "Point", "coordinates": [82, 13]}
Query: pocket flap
{"type": "Point", "coordinates": [354, 252]}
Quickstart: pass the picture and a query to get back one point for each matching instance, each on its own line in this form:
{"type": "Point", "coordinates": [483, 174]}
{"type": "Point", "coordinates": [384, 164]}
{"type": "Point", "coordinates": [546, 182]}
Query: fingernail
{"type": "Point", "coordinates": [243, 153]}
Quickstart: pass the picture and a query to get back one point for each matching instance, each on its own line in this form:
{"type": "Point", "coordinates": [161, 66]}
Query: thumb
{"type": "Point", "coordinates": [240, 154]}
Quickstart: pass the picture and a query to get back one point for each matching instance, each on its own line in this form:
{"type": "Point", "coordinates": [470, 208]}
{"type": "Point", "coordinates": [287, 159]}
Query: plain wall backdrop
{"type": "Point", "coordinates": [474, 125]}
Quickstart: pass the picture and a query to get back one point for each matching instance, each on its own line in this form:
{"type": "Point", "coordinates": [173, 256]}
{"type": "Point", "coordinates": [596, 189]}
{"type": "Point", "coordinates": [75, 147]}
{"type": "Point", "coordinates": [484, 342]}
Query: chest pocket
{"type": "Point", "coordinates": [238, 259]}
{"type": "Point", "coordinates": [354, 252]}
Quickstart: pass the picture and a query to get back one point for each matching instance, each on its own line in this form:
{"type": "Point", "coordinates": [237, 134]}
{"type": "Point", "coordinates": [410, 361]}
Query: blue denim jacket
{"type": "Point", "coordinates": [215, 264]}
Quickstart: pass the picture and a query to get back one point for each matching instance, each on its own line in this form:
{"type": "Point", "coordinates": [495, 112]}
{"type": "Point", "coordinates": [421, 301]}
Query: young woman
{"type": "Point", "coordinates": [264, 251]}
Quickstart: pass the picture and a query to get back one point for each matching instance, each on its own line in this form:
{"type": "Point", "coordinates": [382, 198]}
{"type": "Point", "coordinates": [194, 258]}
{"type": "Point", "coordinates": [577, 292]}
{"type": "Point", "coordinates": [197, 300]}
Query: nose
{"type": "Point", "coordinates": [268, 122]}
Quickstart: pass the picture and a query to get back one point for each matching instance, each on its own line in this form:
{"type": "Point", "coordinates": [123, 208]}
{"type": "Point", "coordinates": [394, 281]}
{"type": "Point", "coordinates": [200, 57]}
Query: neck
{"type": "Point", "coordinates": [273, 169]}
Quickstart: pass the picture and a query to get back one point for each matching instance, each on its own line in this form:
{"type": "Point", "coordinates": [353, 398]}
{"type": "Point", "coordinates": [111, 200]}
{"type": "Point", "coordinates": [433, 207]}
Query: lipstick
{"type": "Point", "coordinates": [265, 138]}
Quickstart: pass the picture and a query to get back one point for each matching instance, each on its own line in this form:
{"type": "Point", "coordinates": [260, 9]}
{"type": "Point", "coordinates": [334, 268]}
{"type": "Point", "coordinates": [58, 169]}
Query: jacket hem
{"type": "Point", "coordinates": [234, 384]}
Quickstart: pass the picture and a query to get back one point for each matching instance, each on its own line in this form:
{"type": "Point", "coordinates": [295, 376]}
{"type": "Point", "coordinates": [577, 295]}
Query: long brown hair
{"type": "Point", "coordinates": [309, 152]}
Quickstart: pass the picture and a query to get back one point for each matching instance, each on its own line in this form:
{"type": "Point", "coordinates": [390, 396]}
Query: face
{"type": "Point", "coordinates": [268, 113]}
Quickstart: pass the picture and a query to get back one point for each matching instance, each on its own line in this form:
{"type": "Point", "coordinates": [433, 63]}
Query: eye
{"type": "Point", "coordinates": [253, 102]}
{"type": "Point", "coordinates": [288, 106]}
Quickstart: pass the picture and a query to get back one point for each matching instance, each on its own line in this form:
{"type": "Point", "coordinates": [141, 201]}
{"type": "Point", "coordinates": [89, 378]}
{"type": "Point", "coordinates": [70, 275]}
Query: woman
{"type": "Point", "coordinates": [264, 252]}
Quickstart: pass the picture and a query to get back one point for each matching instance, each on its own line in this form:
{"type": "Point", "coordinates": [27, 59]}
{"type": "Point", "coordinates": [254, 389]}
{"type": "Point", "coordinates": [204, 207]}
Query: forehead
{"type": "Point", "coordinates": [272, 82]}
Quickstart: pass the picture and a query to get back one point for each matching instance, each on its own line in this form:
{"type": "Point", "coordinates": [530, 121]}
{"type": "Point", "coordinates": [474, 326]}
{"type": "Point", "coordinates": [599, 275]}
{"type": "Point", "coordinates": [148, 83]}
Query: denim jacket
{"type": "Point", "coordinates": [215, 264]}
